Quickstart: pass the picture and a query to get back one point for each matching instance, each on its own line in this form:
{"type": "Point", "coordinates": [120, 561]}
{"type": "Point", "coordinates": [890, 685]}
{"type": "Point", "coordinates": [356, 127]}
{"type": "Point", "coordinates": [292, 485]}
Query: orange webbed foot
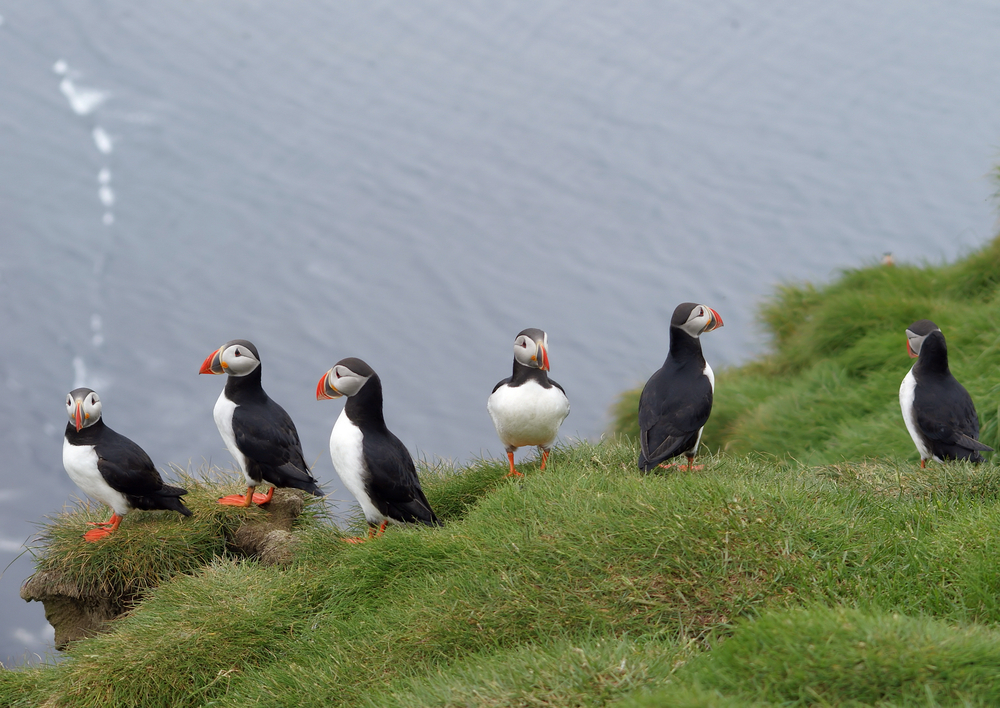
{"type": "Point", "coordinates": [96, 534]}
{"type": "Point", "coordinates": [234, 500]}
{"type": "Point", "coordinates": [259, 499]}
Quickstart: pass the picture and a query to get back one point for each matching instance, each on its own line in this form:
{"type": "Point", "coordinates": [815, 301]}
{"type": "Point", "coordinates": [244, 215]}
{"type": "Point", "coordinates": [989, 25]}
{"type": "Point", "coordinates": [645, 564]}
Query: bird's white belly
{"type": "Point", "coordinates": [80, 462]}
{"type": "Point", "coordinates": [907, 393]}
{"type": "Point", "coordinates": [224, 411]}
{"type": "Point", "coordinates": [529, 414]}
{"type": "Point", "coordinates": [347, 451]}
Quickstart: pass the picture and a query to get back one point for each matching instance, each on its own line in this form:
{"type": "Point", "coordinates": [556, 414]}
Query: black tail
{"type": "Point", "coordinates": [291, 476]}
{"type": "Point", "coordinates": [166, 497]}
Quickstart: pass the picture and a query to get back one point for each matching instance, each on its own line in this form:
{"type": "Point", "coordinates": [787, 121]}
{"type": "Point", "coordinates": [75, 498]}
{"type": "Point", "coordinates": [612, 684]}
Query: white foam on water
{"type": "Point", "coordinates": [102, 140]}
{"type": "Point", "coordinates": [106, 195]}
{"type": "Point", "coordinates": [83, 101]}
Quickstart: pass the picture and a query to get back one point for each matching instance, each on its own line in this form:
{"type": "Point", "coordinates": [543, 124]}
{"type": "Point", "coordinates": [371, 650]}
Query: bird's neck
{"type": "Point", "coordinates": [523, 374]}
{"type": "Point", "coordinates": [933, 357]}
{"type": "Point", "coordinates": [242, 389]}
{"type": "Point", "coordinates": [365, 407]}
{"type": "Point", "coordinates": [684, 347]}
{"type": "Point", "coordinates": [84, 436]}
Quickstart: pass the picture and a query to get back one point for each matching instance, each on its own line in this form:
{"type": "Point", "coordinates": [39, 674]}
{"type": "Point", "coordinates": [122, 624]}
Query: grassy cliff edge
{"type": "Point", "coordinates": [811, 562]}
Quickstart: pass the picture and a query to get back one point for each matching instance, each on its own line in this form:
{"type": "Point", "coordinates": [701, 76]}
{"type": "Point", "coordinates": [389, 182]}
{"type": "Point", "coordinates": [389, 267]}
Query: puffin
{"type": "Point", "coordinates": [257, 431]}
{"type": "Point", "coordinates": [937, 410]}
{"type": "Point", "coordinates": [528, 407]}
{"type": "Point", "coordinates": [109, 467]}
{"type": "Point", "coordinates": [372, 463]}
{"type": "Point", "coordinates": [677, 400]}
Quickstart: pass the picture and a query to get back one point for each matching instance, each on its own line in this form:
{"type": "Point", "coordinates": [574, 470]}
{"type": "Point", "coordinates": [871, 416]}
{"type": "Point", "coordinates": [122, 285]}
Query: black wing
{"type": "Point", "coordinates": [672, 409]}
{"type": "Point", "coordinates": [128, 469]}
{"type": "Point", "coordinates": [392, 480]}
{"type": "Point", "coordinates": [266, 435]}
{"type": "Point", "coordinates": [947, 418]}
{"type": "Point", "coordinates": [125, 466]}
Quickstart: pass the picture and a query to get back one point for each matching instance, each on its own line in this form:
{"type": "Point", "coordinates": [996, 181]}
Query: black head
{"type": "Point", "coordinates": [916, 333]}
{"type": "Point", "coordinates": [346, 378]}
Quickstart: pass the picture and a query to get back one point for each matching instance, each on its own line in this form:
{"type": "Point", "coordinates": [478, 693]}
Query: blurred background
{"type": "Point", "coordinates": [413, 183]}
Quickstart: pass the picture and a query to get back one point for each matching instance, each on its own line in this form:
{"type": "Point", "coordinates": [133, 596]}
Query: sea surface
{"type": "Point", "coordinates": [413, 183]}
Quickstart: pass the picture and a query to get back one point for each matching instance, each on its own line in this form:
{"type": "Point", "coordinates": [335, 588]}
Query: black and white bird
{"type": "Point", "coordinates": [677, 399]}
{"type": "Point", "coordinates": [372, 463]}
{"type": "Point", "coordinates": [258, 432]}
{"type": "Point", "coordinates": [111, 468]}
{"type": "Point", "coordinates": [528, 408]}
{"type": "Point", "coordinates": [938, 411]}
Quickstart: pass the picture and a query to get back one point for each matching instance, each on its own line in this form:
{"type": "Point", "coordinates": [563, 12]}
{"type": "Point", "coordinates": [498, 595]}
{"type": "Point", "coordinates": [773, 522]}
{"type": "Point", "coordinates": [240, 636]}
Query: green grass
{"type": "Point", "coordinates": [812, 561]}
{"type": "Point", "coordinates": [829, 389]}
{"type": "Point", "coordinates": [585, 584]}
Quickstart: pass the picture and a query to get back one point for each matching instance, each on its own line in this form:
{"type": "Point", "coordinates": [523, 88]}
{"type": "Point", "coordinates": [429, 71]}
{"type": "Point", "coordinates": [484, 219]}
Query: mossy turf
{"type": "Point", "coordinates": [584, 584]}
{"type": "Point", "coordinates": [829, 390]}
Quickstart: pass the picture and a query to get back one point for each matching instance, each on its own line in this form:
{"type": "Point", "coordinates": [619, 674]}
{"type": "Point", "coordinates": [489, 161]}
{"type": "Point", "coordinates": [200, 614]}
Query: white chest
{"type": "Point", "coordinates": [223, 412]}
{"type": "Point", "coordinates": [347, 452]}
{"type": "Point", "coordinates": [80, 462]}
{"type": "Point", "coordinates": [529, 414]}
{"type": "Point", "coordinates": [907, 393]}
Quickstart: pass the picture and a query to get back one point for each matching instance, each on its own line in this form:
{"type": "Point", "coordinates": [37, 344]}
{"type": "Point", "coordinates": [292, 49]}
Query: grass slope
{"type": "Point", "coordinates": [829, 391]}
{"type": "Point", "coordinates": [588, 584]}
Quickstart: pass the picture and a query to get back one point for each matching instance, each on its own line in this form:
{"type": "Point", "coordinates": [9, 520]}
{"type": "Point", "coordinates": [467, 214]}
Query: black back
{"type": "Point", "coordinates": [127, 468]}
{"type": "Point", "coordinates": [675, 402]}
{"type": "Point", "coordinates": [391, 480]}
{"type": "Point", "coordinates": [944, 412]}
{"type": "Point", "coordinates": [266, 436]}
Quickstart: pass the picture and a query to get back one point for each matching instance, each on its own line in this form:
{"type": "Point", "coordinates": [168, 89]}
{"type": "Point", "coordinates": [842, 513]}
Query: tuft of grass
{"type": "Point", "coordinates": [150, 546]}
{"type": "Point", "coordinates": [541, 586]}
{"type": "Point", "coordinates": [829, 389]}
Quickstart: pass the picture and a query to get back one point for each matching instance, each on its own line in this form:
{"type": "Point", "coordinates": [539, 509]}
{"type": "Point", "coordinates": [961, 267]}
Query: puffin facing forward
{"type": "Point", "coordinates": [111, 468]}
{"type": "Point", "coordinates": [677, 399]}
{"type": "Point", "coordinates": [257, 431]}
{"type": "Point", "coordinates": [938, 411]}
{"type": "Point", "coordinates": [528, 408]}
{"type": "Point", "coordinates": [372, 463]}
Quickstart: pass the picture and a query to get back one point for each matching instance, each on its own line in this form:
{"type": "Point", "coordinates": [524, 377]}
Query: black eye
{"type": "Point", "coordinates": [237, 353]}
{"type": "Point", "coordinates": [337, 373]}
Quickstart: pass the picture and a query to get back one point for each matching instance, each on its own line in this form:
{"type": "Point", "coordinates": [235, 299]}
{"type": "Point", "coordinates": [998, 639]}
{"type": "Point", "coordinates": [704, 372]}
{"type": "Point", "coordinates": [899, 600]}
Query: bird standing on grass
{"type": "Point", "coordinates": [111, 468]}
{"type": "Point", "coordinates": [677, 400]}
{"type": "Point", "coordinates": [528, 408]}
{"type": "Point", "coordinates": [372, 463]}
{"type": "Point", "coordinates": [938, 411]}
{"type": "Point", "coordinates": [257, 431]}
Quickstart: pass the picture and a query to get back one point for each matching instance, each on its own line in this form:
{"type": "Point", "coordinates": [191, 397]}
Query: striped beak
{"type": "Point", "coordinates": [213, 363]}
{"type": "Point", "coordinates": [715, 322]}
{"type": "Point", "coordinates": [325, 390]}
{"type": "Point", "coordinates": [78, 419]}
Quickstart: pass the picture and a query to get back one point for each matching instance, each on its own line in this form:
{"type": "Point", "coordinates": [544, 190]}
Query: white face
{"type": "Point", "coordinates": [83, 412]}
{"type": "Point", "coordinates": [701, 319]}
{"type": "Point", "coordinates": [528, 353]}
{"type": "Point", "coordinates": [915, 341]}
{"type": "Point", "coordinates": [237, 360]}
{"type": "Point", "coordinates": [344, 381]}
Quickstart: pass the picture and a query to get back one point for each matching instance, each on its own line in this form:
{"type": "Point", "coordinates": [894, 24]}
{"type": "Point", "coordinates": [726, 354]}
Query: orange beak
{"type": "Point", "coordinates": [544, 355]}
{"type": "Point", "coordinates": [78, 420]}
{"type": "Point", "coordinates": [910, 351]}
{"type": "Point", "coordinates": [212, 363]}
{"type": "Point", "coordinates": [716, 321]}
{"type": "Point", "coordinates": [325, 391]}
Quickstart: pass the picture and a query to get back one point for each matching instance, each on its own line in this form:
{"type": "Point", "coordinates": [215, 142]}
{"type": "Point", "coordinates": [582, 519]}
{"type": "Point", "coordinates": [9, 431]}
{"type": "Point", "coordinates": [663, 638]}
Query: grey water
{"type": "Point", "coordinates": [413, 183]}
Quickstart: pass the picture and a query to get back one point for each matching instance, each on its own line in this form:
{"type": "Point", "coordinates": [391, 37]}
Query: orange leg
{"type": "Point", "coordinates": [545, 458]}
{"type": "Point", "coordinates": [371, 534]}
{"type": "Point", "coordinates": [105, 529]}
{"type": "Point", "coordinates": [244, 501]}
{"type": "Point", "coordinates": [513, 472]}
{"type": "Point", "coordinates": [923, 463]}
